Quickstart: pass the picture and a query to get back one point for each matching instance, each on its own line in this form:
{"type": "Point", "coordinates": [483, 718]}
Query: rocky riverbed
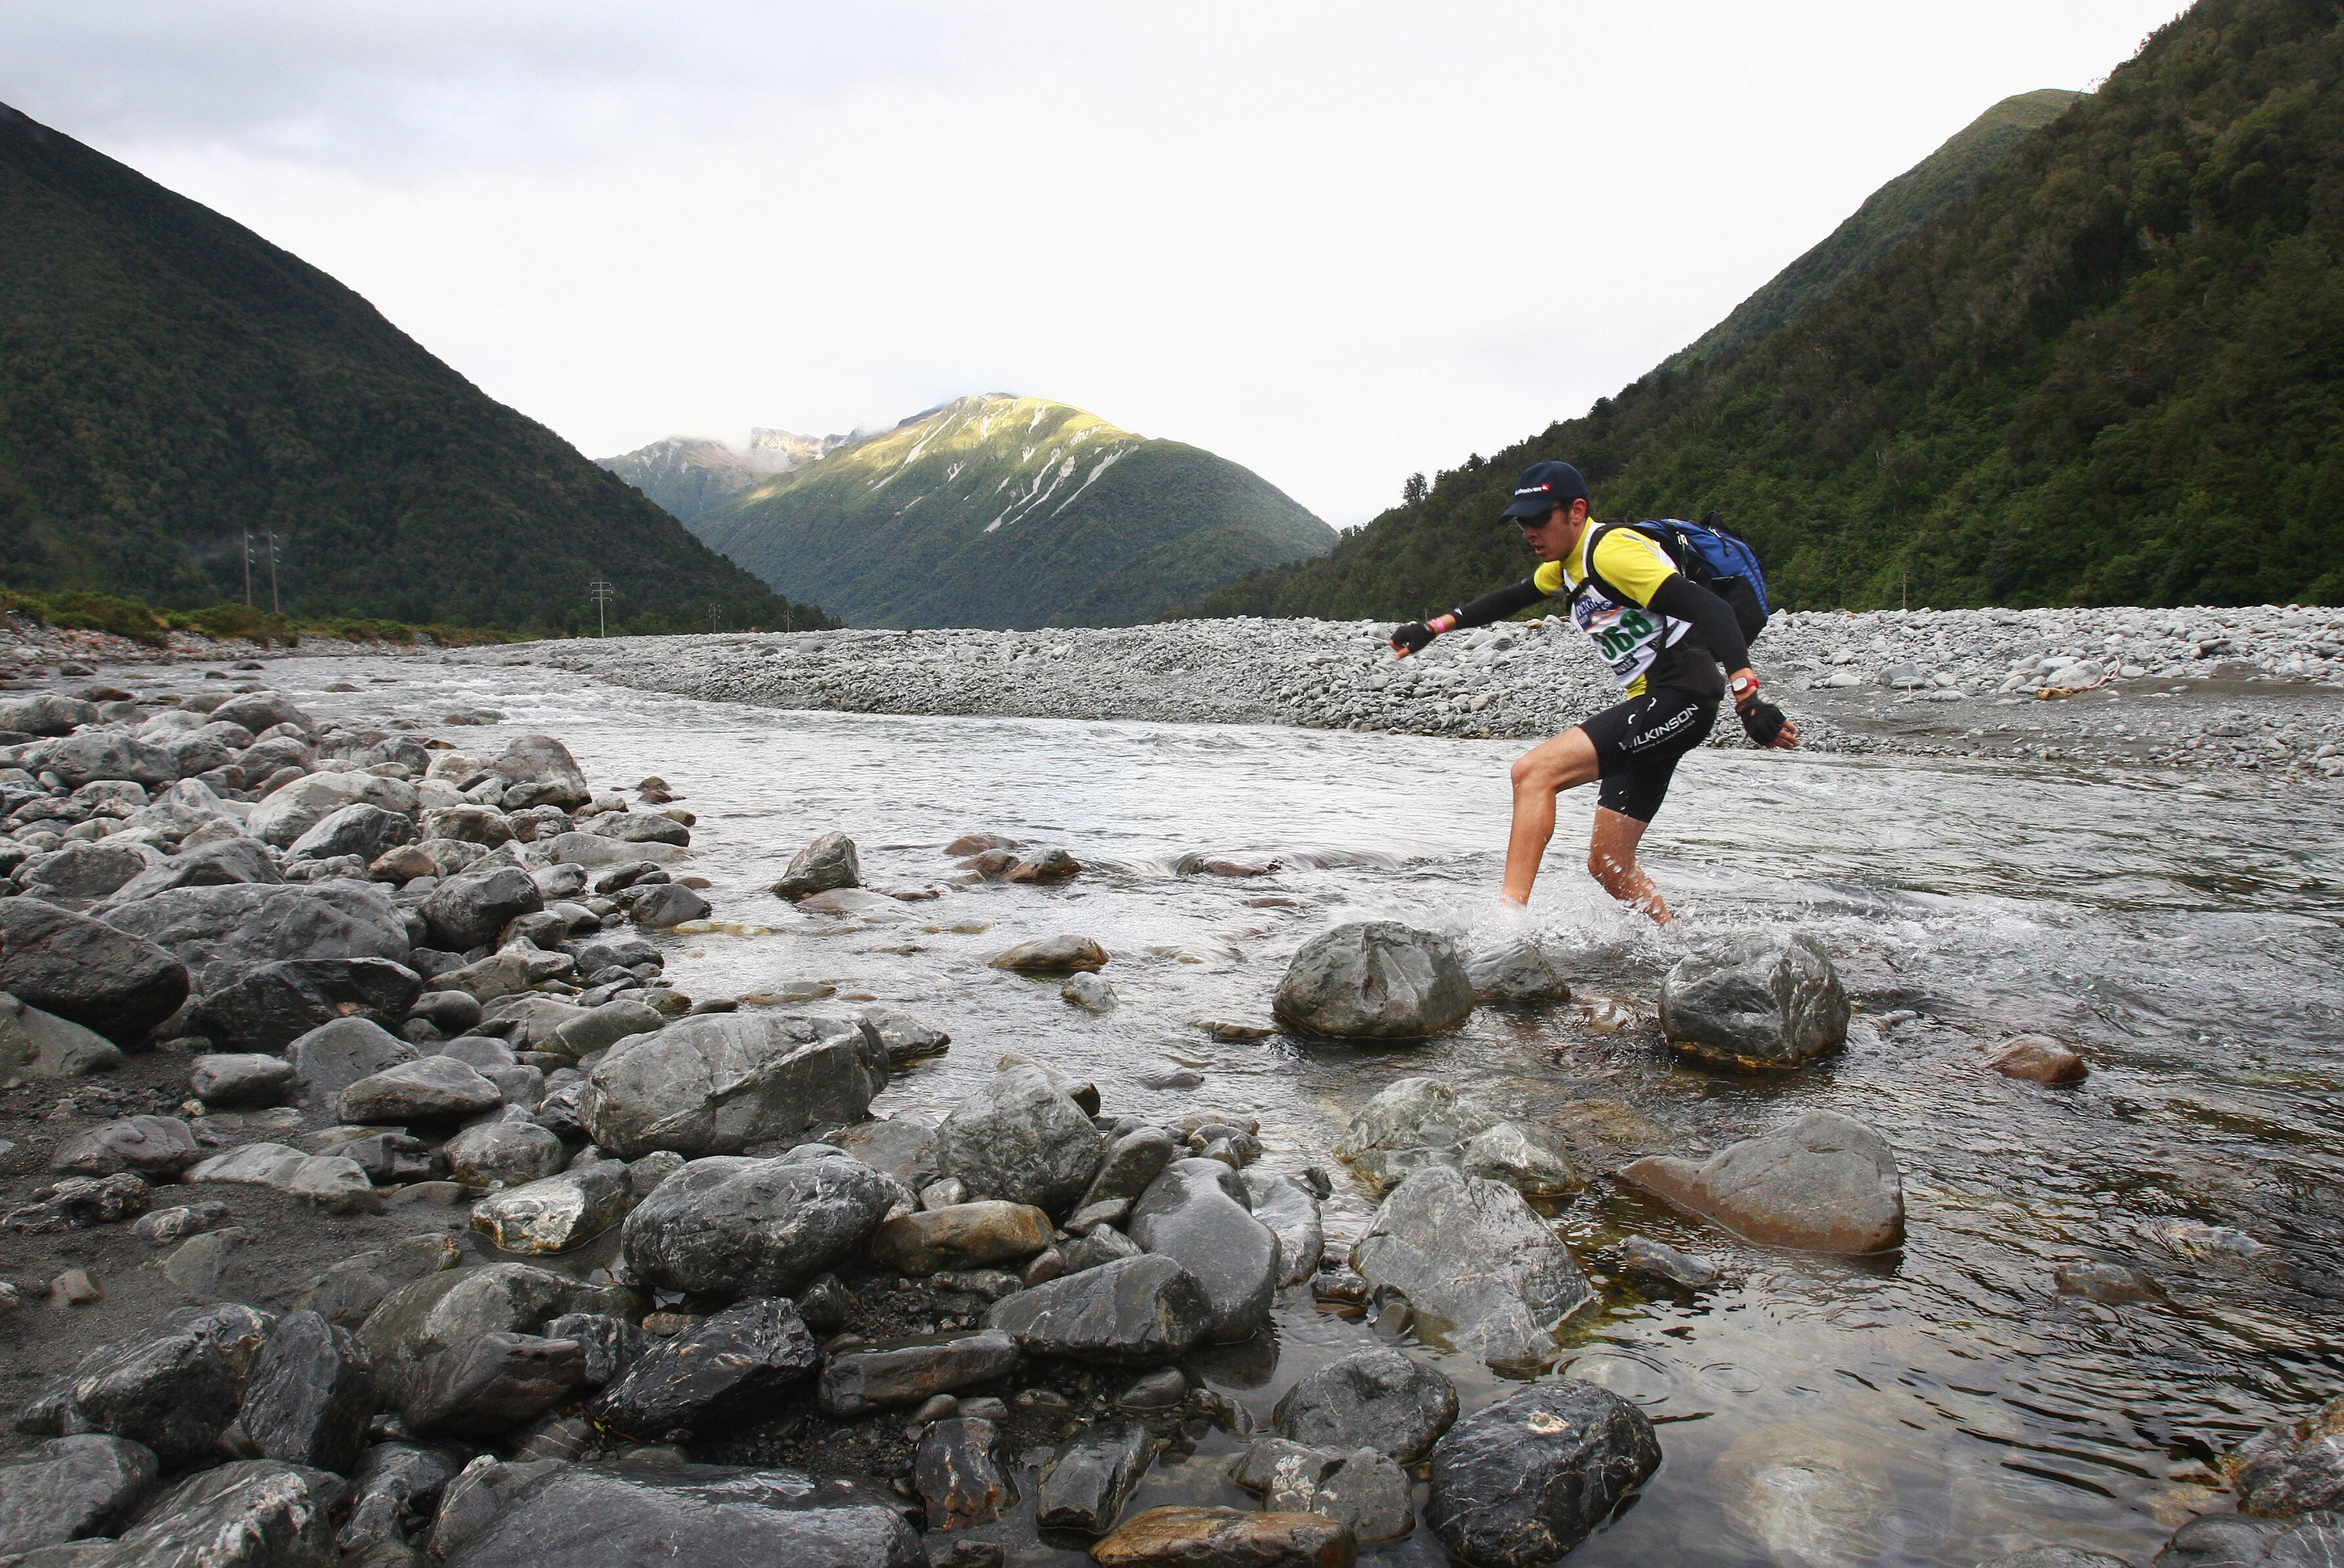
{"type": "Point", "coordinates": [1547, 1184]}
{"type": "Point", "coordinates": [2259, 688]}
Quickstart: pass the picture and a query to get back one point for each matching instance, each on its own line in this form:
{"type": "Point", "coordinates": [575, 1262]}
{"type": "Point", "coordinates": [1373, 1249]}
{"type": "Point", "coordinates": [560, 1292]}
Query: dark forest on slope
{"type": "Point", "coordinates": [168, 379]}
{"type": "Point", "coordinates": [2115, 374]}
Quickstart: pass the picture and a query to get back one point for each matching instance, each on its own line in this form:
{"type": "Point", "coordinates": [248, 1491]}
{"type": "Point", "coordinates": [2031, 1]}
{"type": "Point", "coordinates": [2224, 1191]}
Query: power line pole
{"type": "Point", "coordinates": [1903, 590]}
{"type": "Point", "coordinates": [600, 592]}
{"type": "Point", "coordinates": [274, 608]}
{"type": "Point", "coordinates": [247, 568]}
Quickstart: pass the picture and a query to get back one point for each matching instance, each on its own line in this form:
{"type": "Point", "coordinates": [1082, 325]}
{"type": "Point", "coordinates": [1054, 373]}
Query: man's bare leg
{"type": "Point", "coordinates": [1611, 861]}
{"type": "Point", "coordinates": [1540, 775]}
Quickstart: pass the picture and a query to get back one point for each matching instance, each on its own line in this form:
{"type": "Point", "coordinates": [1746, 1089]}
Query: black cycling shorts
{"type": "Point", "coordinates": [1638, 742]}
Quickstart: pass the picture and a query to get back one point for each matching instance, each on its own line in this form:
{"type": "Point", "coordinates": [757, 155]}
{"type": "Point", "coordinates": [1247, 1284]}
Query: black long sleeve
{"type": "Point", "coordinates": [1498, 604]}
{"type": "Point", "coordinates": [1712, 618]}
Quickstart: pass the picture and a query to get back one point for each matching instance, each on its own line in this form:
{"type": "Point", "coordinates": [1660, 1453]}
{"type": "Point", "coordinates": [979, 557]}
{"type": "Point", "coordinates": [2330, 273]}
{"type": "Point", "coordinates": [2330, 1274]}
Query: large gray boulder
{"type": "Point", "coordinates": [34, 1043]}
{"type": "Point", "coordinates": [1287, 1207]}
{"type": "Point", "coordinates": [721, 1082]}
{"type": "Point", "coordinates": [363, 830]}
{"type": "Point", "coordinates": [753, 1353]}
{"type": "Point", "coordinates": [1524, 1481]}
{"type": "Point", "coordinates": [332, 1056]}
{"type": "Point", "coordinates": [1378, 1399]}
{"type": "Point", "coordinates": [219, 865]}
{"type": "Point", "coordinates": [85, 972]}
{"type": "Point", "coordinates": [1022, 1140]}
{"type": "Point", "coordinates": [731, 1226]}
{"type": "Point", "coordinates": [95, 754]}
{"type": "Point", "coordinates": [447, 1310]}
{"type": "Point", "coordinates": [1194, 1213]}
{"type": "Point", "coordinates": [82, 871]}
{"type": "Point", "coordinates": [556, 1212]}
{"type": "Point", "coordinates": [45, 714]}
{"type": "Point", "coordinates": [1135, 1312]}
{"type": "Point", "coordinates": [470, 910]}
{"type": "Point", "coordinates": [310, 1394]}
{"type": "Point", "coordinates": [251, 1513]}
{"type": "Point", "coordinates": [1417, 1122]}
{"type": "Point", "coordinates": [829, 861]}
{"type": "Point", "coordinates": [637, 827]}
{"type": "Point", "coordinates": [261, 710]}
{"type": "Point", "coordinates": [539, 770]}
{"type": "Point", "coordinates": [269, 1008]}
{"type": "Point", "coordinates": [158, 1148]}
{"type": "Point", "coordinates": [1822, 1182]}
{"type": "Point", "coordinates": [69, 1488]}
{"type": "Point", "coordinates": [300, 805]}
{"type": "Point", "coordinates": [430, 1088]}
{"type": "Point", "coordinates": [221, 933]}
{"type": "Point", "coordinates": [173, 1386]}
{"type": "Point", "coordinates": [1756, 999]}
{"type": "Point", "coordinates": [598, 1515]}
{"type": "Point", "coordinates": [1480, 1270]}
{"type": "Point", "coordinates": [1375, 980]}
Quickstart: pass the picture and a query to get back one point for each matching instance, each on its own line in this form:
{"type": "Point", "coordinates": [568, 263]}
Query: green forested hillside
{"type": "Point", "coordinates": [1886, 217]}
{"type": "Point", "coordinates": [1008, 511]}
{"type": "Point", "coordinates": [2115, 374]}
{"type": "Point", "coordinates": [168, 379]}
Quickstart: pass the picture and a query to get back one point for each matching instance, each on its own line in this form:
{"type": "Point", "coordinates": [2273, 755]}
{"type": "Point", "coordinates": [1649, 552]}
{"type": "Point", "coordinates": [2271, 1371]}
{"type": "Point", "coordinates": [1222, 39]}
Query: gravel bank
{"type": "Point", "coordinates": [2261, 688]}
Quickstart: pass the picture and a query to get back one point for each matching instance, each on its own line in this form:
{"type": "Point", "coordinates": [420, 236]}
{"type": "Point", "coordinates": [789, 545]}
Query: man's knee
{"type": "Point", "coordinates": [1535, 770]}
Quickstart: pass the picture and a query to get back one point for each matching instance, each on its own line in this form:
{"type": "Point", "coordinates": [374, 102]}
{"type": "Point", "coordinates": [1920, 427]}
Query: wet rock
{"type": "Point", "coordinates": [666, 905]}
{"type": "Point", "coordinates": [1103, 1245]}
{"type": "Point", "coordinates": [430, 1088]}
{"type": "Point", "coordinates": [46, 714]}
{"type": "Point", "coordinates": [904, 1038]}
{"type": "Point", "coordinates": [482, 1490]}
{"type": "Point", "coordinates": [1754, 999]}
{"type": "Point", "coordinates": [1416, 1123]}
{"type": "Point", "coordinates": [332, 1056]}
{"type": "Point", "coordinates": [829, 861]}
{"type": "Point", "coordinates": [37, 1044]}
{"type": "Point", "coordinates": [1359, 1488]}
{"type": "Point", "coordinates": [827, 1305]}
{"type": "Point", "coordinates": [74, 968]}
{"type": "Point", "coordinates": [69, 1488]}
{"type": "Point", "coordinates": [557, 1212]}
{"type": "Point", "coordinates": [746, 1356]}
{"type": "Point", "coordinates": [2109, 1283]}
{"type": "Point", "coordinates": [2037, 1060]}
{"type": "Point", "coordinates": [1090, 1216]}
{"type": "Point", "coordinates": [159, 1148]}
{"type": "Point", "coordinates": [454, 1013]}
{"type": "Point", "coordinates": [2226, 1541]}
{"type": "Point", "coordinates": [1088, 991]}
{"type": "Point", "coordinates": [1130, 1163]}
{"type": "Point", "coordinates": [253, 1514]}
{"type": "Point", "coordinates": [1374, 979]}
{"type": "Point", "coordinates": [1092, 1475]}
{"type": "Point", "coordinates": [902, 1146]}
{"type": "Point", "coordinates": [173, 1386]}
{"type": "Point", "coordinates": [294, 809]}
{"type": "Point", "coordinates": [1656, 1263]}
{"type": "Point", "coordinates": [2196, 1241]}
{"type": "Point", "coordinates": [1377, 1398]}
{"type": "Point", "coordinates": [164, 1226]}
{"type": "Point", "coordinates": [960, 1235]}
{"type": "Point", "coordinates": [470, 910]}
{"type": "Point", "coordinates": [395, 1481]}
{"type": "Point", "coordinates": [1518, 972]}
{"type": "Point", "coordinates": [80, 871]}
{"type": "Point", "coordinates": [1052, 956]}
{"type": "Point", "coordinates": [229, 860]}
{"type": "Point", "coordinates": [1046, 867]}
{"type": "Point", "coordinates": [1021, 1141]}
{"type": "Point", "coordinates": [600, 1028]}
{"type": "Point", "coordinates": [222, 933]}
{"type": "Point", "coordinates": [1822, 1182]}
{"type": "Point", "coordinates": [1194, 1213]}
{"type": "Point", "coordinates": [310, 1394]}
{"type": "Point", "coordinates": [332, 1182]}
{"type": "Point", "coordinates": [2058, 1557]}
{"type": "Point", "coordinates": [354, 1287]}
{"type": "Point", "coordinates": [1141, 1311]}
{"type": "Point", "coordinates": [719, 1082]}
{"type": "Point", "coordinates": [907, 1371]}
{"type": "Point", "coordinates": [732, 1227]}
{"type": "Point", "coordinates": [446, 1311]}
{"type": "Point", "coordinates": [957, 1471]}
{"type": "Point", "coordinates": [1524, 1481]}
{"type": "Point", "coordinates": [237, 1082]}
{"type": "Point", "coordinates": [2292, 1468]}
{"type": "Point", "coordinates": [81, 1203]}
{"type": "Point", "coordinates": [260, 711]}
{"type": "Point", "coordinates": [95, 754]}
{"type": "Point", "coordinates": [513, 1152]}
{"type": "Point", "coordinates": [1163, 1537]}
{"type": "Point", "coordinates": [491, 1385]}
{"type": "Point", "coordinates": [595, 1515]}
{"type": "Point", "coordinates": [269, 1008]}
{"type": "Point", "coordinates": [366, 831]}
{"type": "Point", "coordinates": [1478, 1267]}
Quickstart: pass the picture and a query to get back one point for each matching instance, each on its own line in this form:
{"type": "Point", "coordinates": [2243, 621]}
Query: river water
{"type": "Point", "coordinates": [1939, 1406]}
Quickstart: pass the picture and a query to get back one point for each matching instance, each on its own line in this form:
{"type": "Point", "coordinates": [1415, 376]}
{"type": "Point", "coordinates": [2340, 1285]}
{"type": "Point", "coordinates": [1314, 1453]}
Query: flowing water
{"type": "Point", "coordinates": [1937, 1406]}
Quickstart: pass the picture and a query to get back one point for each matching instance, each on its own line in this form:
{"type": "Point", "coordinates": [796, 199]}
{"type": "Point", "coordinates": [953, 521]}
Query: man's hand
{"type": "Point", "coordinates": [1762, 721]}
{"type": "Point", "coordinates": [1414, 638]}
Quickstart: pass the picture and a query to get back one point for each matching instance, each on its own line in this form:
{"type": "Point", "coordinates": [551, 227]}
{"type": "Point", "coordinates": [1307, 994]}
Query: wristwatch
{"type": "Point", "coordinates": [1744, 687]}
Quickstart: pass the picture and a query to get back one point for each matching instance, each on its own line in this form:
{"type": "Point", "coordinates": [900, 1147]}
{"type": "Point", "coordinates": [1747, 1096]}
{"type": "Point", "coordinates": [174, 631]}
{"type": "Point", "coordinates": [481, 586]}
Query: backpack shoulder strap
{"type": "Point", "coordinates": [1596, 578]}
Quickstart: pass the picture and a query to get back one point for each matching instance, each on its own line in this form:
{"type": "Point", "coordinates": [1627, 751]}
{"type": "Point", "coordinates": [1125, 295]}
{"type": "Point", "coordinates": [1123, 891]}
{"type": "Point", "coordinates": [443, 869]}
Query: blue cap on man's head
{"type": "Point", "coordinates": [1542, 488]}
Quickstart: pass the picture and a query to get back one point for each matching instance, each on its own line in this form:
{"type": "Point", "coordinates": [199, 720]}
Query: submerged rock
{"type": "Point", "coordinates": [958, 1472]}
{"type": "Point", "coordinates": [1822, 1182]}
{"type": "Point", "coordinates": [1518, 972]}
{"type": "Point", "coordinates": [1092, 1475]}
{"type": "Point", "coordinates": [1478, 1269]}
{"type": "Point", "coordinates": [2037, 1060]}
{"type": "Point", "coordinates": [1162, 1537]}
{"type": "Point", "coordinates": [1415, 1123]}
{"type": "Point", "coordinates": [1375, 980]}
{"type": "Point", "coordinates": [1359, 1488]}
{"type": "Point", "coordinates": [1378, 1399]}
{"type": "Point", "coordinates": [1524, 1481]}
{"type": "Point", "coordinates": [1760, 999]}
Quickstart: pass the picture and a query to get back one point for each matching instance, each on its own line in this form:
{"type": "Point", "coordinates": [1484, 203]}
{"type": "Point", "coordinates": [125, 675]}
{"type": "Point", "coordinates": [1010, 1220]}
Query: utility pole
{"type": "Point", "coordinates": [247, 568]}
{"type": "Point", "coordinates": [274, 608]}
{"type": "Point", "coordinates": [600, 592]}
{"type": "Point", "coordinates": [1903, 590]}
{"type": "Point", "coordinates": [712, 620]}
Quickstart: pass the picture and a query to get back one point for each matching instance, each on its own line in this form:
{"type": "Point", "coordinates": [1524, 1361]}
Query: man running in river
{"type": "Point", "coordinates": [1665, 638]}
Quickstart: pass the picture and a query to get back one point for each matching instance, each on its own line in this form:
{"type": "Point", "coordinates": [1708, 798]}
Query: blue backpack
{"type": "Point", "coordinates": [1707, 554]}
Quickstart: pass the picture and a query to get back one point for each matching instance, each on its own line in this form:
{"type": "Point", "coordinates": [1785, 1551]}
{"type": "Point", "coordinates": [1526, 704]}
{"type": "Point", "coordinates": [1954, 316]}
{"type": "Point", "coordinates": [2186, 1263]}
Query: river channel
{"type": "Point", "coordinates": [1937, 1406]}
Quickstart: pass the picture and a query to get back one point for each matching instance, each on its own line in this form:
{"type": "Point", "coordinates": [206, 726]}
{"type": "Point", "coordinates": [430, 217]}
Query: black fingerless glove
{"type": "Point", "coordinates": [1415, 637]}
{"type": "Point", "coordinates": [1762, 721]}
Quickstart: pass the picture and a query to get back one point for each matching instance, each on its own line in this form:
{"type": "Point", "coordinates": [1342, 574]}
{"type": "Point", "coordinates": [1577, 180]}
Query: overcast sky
{"type": "Point", "coordinates": [1336, 243]}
